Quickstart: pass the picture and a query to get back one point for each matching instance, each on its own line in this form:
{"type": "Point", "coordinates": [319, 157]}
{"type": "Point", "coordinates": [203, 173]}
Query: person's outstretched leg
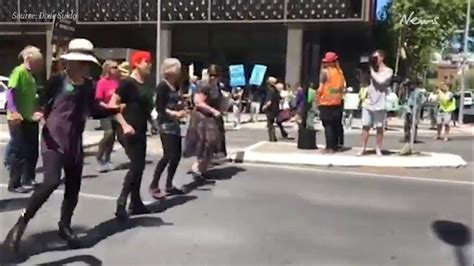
{"type": "Point", "coordinates": [137, 166]}
{"type": "Point", "coordinates": [52, 163]}
{"type": "Point", "coordinates": [73, 174]}
{"type": "Point", "coordinates": [175, 158]}
{"type": "Point", "coordinates": [31, 153]}
{"type": "Point", "coordinates": [166, 145]}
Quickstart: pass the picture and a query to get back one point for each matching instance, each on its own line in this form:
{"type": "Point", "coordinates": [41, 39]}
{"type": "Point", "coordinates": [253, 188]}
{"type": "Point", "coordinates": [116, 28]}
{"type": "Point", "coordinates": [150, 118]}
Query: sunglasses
{"type": "Point", "coordinates": [114, 67]}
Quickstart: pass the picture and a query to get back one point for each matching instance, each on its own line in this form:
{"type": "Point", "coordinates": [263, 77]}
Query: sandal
{"type": "Point", "coordinates": [156, 193]}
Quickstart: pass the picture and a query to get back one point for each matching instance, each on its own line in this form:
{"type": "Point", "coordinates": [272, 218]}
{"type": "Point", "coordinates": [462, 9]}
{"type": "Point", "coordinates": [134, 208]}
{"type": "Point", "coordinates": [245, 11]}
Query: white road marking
{"type": "Point", "coordinates": [85, 195]}
{"type": "Point", "coordinates": [339, 172]}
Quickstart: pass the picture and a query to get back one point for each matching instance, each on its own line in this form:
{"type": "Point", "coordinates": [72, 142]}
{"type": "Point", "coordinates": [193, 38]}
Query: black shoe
{"type": "Point", "coordinates": [121, 213]}
{"type": "Point", "coordinates": [174, 191]}
{"type": "Point", "coordinates": [138, 209]}
{"type": "Point", "coordinates": [21, 190]}
{"type": "Point", "coordinates": [13, 239]}
{"type": "Point", "coordinates": [66, 233]}
{"type": "Point", "coordinates": [30, 183]}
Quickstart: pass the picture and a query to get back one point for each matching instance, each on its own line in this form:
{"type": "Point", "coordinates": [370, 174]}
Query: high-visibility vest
{"type": "Point", "coordinates": [445, 104]}
{"type": "Point", "coordinates": [331, 93]}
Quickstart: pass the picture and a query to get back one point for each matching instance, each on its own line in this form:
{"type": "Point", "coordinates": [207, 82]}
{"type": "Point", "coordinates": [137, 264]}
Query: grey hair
{"type": "Point", "coordinates": [30, 52]}
{"type": "Point", "coordinates": [170, 66]}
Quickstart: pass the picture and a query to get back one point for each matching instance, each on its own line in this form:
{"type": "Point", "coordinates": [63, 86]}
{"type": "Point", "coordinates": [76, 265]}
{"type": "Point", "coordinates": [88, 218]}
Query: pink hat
{"type": "Point", "coordinates": [330, 57]}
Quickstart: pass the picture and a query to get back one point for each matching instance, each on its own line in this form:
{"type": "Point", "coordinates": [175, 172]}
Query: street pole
{"type": "Point", "coordinates": [463, 62]}
{"type": "Point", "coordinates": [158, 40]}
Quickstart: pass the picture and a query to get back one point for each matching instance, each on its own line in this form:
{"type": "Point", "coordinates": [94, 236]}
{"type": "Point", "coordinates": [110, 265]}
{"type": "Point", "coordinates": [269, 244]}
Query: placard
{"type": "Point", "coordinates": [237, 75]}
{"type": "Point", "coordinates": [351, 101]}
{"type": "Point", "coordinates": [258, 74]}
{"type": "Point", "coordinates": [63, 29]}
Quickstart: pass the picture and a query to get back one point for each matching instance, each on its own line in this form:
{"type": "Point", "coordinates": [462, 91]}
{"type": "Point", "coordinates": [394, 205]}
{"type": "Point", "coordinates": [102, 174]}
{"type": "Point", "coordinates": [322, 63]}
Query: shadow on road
{"type": "Point", "coordinates": [126, 166]}
{"type": "Point", "coordinates": [456, 235]}
{"type": "Point", "coordinates": [225, 173]}
{"type": "Point", "coordinates": [163, 205]}
{"type": "Point", "coordinates": [14, 204]}
{"type": "Point", "coordinates": [85, 259]}
{"type": "Point", "coordinates": [212, 175]}
{"type": "Point", "coordinates": [49, 241]}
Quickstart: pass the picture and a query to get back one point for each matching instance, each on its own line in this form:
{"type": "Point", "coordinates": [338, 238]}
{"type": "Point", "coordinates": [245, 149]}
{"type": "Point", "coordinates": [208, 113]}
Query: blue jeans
{"type": "Point", "coordinates": [7, 159]}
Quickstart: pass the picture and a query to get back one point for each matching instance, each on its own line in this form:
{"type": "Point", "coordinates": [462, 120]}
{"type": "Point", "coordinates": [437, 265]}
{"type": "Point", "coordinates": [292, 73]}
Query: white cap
{"type": "Point", "coordinates": [80, 50]}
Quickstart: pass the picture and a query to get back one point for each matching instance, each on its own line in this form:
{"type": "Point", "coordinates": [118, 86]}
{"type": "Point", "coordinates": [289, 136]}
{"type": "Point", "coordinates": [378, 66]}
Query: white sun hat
{"type": "Point", "coordinates": [80, 50]}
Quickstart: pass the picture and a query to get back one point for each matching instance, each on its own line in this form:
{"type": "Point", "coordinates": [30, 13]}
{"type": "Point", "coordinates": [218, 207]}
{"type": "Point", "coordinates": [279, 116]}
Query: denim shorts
{"type": "Point", "coordinates": [373, 118]}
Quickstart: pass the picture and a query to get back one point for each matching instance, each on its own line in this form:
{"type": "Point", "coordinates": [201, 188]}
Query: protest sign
{"type": "Point", "coordinates": [351, 101]}
{"type": "Point", "coordinates": [258, 73]}
{"type": "Point", "coordinates": [237, 75]}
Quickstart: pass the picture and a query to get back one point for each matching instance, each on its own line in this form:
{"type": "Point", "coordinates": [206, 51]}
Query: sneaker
{"type": "Point", "coordinates": [378, 152]}
{"type": "Point", "coordinates": [102, 168]}
{"type": "Point", "coordinates": [111, 166]}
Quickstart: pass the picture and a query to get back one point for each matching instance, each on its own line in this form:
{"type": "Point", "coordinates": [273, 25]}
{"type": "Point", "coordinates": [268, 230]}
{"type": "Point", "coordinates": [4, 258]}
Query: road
{"type": "Point", "coordinates": [263, 215]}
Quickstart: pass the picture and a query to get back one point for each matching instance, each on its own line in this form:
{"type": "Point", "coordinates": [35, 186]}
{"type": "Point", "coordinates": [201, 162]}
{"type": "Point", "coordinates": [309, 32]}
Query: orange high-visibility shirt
{"type": "Point", "coordinates": [331, 92]}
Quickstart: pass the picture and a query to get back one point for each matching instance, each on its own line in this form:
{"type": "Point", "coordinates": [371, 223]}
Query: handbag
{"type": "Point", "coordinates": [283, 116]}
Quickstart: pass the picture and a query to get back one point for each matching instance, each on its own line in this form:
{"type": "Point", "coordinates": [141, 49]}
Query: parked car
{"type": "Point", "coordinates": [3, 93]}
{"type": "Point", "coordinates": [467, 98]}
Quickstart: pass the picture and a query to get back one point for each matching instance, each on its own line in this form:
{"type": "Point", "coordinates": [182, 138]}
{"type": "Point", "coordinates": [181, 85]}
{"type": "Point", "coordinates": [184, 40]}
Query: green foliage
{"type": "Point", "coordinates": [443, 17]}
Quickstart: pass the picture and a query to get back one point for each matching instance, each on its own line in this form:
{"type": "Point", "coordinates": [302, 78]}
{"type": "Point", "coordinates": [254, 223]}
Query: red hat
{"type": "Point", "coordinates": [140, 56]}
{"type": "Point", "coordinates": [330, 57]}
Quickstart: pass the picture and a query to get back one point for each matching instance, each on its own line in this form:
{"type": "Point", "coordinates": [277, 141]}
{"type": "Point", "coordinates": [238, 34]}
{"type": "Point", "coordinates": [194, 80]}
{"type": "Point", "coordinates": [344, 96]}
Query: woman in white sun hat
{"type": "Point", "coordinates": [68, 100]}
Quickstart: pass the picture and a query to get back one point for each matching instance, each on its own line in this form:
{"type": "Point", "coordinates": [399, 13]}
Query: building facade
{"type": "Point", "coordinates": [289, 36]}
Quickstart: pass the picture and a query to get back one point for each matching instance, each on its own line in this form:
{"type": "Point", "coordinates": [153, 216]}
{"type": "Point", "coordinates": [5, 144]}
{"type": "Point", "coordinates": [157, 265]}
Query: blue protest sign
{"type": "Point", "coordinates": [237, 75]}
{"type": "Point", "coordinates": [258, 73]}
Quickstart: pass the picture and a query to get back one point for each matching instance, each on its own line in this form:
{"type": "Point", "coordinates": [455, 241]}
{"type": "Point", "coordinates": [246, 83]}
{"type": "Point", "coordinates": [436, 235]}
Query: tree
{"type": "Point", "coordinates": [424, 26]}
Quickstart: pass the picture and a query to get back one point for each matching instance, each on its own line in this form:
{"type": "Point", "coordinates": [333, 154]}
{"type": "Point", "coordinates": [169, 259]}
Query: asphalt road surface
{"type": "Point", "coordinates": [261, 215]}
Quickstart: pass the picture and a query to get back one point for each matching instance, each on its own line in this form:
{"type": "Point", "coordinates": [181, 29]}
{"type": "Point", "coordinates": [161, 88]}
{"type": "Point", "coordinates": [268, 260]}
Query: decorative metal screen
{"type": "Point", "coordinates": [108, 10]}
{"type": "Point", "coordinates": [132, 11]}
{"type": "Point", "coordinates": [43, 10]}
{"type": "Point", "coordinates": [8, 10]}
{"type": "Point", "coordinates": [324, 9]}
{"type": "Point", "coordinates": [247, 9]}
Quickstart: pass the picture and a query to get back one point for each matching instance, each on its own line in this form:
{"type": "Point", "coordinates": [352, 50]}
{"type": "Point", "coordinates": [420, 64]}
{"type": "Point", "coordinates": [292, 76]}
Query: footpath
{"type": "Point", "coordinates": [284, 153]}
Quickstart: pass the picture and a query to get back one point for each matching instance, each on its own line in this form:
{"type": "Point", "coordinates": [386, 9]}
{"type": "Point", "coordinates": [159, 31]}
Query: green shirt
{"type": "Point", "coordinates": [311, 95]}
{"type": "Point", "coordinates": [22, 81]}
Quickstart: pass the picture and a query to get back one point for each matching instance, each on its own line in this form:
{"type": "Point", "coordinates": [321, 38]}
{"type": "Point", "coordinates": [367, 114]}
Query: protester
{"type": "Point", "coordinates": [373, 113]}
{"type": "Point", "coordinates": [348, 113]}
{"type": "Point", "coordinates": [136, 105]}
{"type": "Point", "coordinates": [413, 111]}
{"type": "Point", "coordinates": [433, 107]}
{"type": "Point", "coordinates": [447, 105]}
{"type": "Point", "coordinates": [68, 99]}
{"type": "Point", "coordinates": [272, 109]}
{"type": "Point", "coordinates": [205, 137]}
{"type": "Point", "coordinates": [124, 69]}
{"type": "Point", "coordinates": [170, 111]}
{"type": "Point", "coordinates": [22, 116]}
{"type": "Point", "coordinates": [106, 87]}
{"type": "Point", "coordinates": [237, 106]}
{"type": "Point", "coordinates": [255, 102]}
{"type": "Point", "coordinates": [329, 96]}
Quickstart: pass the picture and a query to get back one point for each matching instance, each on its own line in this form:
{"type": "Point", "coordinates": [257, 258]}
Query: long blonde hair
{"type": "Point", "coordinates": [106, 66]}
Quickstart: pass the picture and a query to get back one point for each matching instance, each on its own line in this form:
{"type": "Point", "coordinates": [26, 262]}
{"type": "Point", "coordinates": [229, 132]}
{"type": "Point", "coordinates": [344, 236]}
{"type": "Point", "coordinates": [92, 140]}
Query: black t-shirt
{"type": "Point", "coordinates": [255, 94]}
{"type": "Point", "coordinates": [273, 96]}
{"type": "Point", "coordinates": [139, 103]}
{"type": "Point", "coordinates": [167, 98]}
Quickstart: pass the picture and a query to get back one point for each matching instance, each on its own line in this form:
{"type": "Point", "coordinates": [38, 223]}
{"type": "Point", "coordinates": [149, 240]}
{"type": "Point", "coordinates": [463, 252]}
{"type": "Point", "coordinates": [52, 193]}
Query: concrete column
{"type": "Point", "coordinates": [294, 54]}
{"type": "Point", "coordinates": [165, 40]}
{"type": "Point", "coordinates": [163, 49]}
{"type": "Point", "coordinates": [49, 52]}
